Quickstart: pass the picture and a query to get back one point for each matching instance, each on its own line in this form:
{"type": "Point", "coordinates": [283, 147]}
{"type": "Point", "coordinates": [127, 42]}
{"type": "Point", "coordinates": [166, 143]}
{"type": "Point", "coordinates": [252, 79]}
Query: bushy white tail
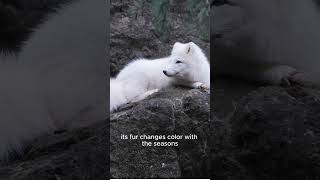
{"type": "Point", "coordinates": [117, 96]}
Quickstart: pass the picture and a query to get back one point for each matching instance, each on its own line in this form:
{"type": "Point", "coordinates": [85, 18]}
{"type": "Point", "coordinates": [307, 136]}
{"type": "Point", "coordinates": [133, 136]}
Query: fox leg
{"type": "Point", "coordinates": [199, 85]}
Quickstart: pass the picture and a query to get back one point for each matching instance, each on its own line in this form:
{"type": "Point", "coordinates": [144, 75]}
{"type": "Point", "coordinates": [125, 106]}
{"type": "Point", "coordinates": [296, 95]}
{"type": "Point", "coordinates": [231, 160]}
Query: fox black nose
{"type": "Point", "coordinates": [164, 72]}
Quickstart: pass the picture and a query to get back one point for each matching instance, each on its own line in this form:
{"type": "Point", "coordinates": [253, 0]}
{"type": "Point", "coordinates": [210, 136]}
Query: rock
{"type": "Point", "coordinates": [79, 154]}
{"type": "Point", "coordinates": [83, 153]}
{"type": "Point", "coordinates": [173, 111]}
{"type": "Point", "coordinates": [168, 112]}
{"type": "Point", "coordinates": [276, 131]}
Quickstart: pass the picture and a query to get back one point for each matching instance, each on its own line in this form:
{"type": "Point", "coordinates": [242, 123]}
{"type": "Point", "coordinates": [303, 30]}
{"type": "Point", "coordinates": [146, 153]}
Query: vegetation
{"type": "Point", "coordinates": [198, 10]}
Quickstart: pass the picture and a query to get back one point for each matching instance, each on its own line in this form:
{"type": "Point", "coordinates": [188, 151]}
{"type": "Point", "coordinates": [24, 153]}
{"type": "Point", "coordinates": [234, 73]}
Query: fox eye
{"type": "Point", "coordinates": [177, 62]}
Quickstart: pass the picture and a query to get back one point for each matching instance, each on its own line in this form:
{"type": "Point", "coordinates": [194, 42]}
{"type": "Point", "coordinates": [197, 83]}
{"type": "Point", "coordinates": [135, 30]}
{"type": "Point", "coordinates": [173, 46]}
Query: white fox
{"type": "Point", "coordinates": [58, 80]}
{"type": "Point", "coordinates": [187, 66]}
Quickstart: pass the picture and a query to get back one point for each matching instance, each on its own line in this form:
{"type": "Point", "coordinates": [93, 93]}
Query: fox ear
{"type": "Point", "coordinates": [176, 45]}
{"type": "Point", "coordinates": [190, 47]}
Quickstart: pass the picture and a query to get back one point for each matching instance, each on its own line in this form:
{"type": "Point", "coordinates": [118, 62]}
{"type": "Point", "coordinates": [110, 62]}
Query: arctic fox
{"type": "Point", "coordinates": [268, 41]}
{"type": "Point", "coordinates": [187, 66]}
{"type": "Point", "coordinates": [58, 80]}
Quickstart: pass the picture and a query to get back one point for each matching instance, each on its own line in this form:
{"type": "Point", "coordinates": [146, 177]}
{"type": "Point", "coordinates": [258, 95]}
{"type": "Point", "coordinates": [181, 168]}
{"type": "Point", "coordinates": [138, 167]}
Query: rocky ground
{"type": "Point", "coordinates": [274, 131]}
{"type": "Point", "coordinates": [80, 154]}
{"type": "Point", "coordinates": [171, 111]}
{"type": "Point", "coordinates": [268, 132]}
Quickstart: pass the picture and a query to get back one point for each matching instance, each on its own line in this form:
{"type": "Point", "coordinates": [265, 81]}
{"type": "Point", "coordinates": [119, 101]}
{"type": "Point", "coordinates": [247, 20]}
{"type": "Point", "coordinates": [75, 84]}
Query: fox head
{"type": "Point", "coordinates": [184, 60]}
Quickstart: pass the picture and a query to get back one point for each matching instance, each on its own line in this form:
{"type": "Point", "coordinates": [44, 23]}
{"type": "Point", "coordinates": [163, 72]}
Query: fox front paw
{"type": "Point", "coordinates": [201, 86]}
{"type": "Point", "coordinates": [148, 93]}
{"type": "Point", "coordinates": [299, 78]}
{"type": "Point", "coordinates": [279, 75]}
{"type": "Point", "coordinates": [204, 88]}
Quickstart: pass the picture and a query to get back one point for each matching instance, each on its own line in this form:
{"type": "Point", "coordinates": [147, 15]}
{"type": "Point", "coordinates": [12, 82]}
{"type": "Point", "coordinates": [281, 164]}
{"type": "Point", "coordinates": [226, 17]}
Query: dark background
{"type": "Point", "coordinates": [74, 154]}
{"type": "Point", "coordinates": [272, 130]}
{"type": "Point", "coordinates": [18, 17]}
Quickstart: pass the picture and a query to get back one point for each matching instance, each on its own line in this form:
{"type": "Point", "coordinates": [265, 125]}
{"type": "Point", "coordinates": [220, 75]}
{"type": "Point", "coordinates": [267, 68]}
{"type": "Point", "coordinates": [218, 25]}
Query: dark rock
{"type": "Point", "coordinates": [168, 112]}
{"type": "Point", "coordinates": [276, 133]}
{"type": "Point", "coordinates": [79, 154]}
{"type": "Point", "coordinates": [173, 111]}
{"type": "Point", "coordinates": [82, 153]}
{"type": "Point", "coordinates": [221, 162]}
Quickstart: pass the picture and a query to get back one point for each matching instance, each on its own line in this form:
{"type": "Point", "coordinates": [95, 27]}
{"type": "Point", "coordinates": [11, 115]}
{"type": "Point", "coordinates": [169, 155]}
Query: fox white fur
{"type": "Point", "coordinates": [268, 41]}
{"type": "Point", "coordinates": [58, 80]}
{"type": "Point", "coordinates": [187, 66]}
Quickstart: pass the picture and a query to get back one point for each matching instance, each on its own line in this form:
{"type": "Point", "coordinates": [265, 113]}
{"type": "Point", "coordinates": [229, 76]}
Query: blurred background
{"type": "Point", "coordinates": [139, 28]}
{"type": "Point", "coordinates": [273, 131]}
{"type": "Point", "coordinates": [18, 17]}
